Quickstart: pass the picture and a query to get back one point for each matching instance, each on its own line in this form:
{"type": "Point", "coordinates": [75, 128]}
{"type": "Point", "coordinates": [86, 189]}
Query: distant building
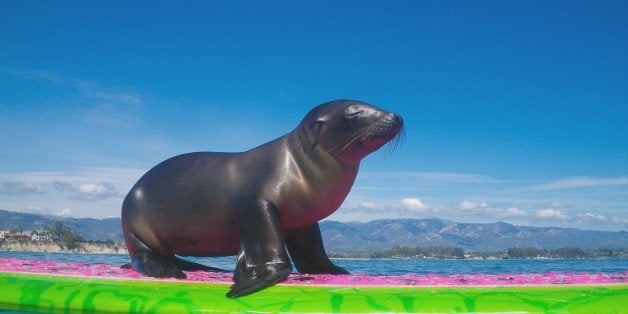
{"type": "Point", "coordinates": [40, 236]}
{"type": "Point", "coordinates": [35, 235]}
{"type": "Point", "coordinates": [21, 236]}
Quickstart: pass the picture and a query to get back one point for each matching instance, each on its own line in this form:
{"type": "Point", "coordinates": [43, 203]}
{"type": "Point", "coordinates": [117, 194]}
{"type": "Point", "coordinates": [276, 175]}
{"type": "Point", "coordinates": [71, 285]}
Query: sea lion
{"type": "Point", "coordinates": [257, 203]}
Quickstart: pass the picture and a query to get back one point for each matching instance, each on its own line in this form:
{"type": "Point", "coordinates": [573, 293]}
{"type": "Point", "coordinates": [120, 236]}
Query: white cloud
{"type": "Point", "coordinates": [38, 210]}
{"type": "Point", "coordinates": [619, 221]}
{"type": "Point", "coordinates": [590, 216]}
{"type": "Point", "coordinates": [581, 182]}
{"type": "Point", "coordinates": [467, 205]}
{"type": "Point", "coordinates": [410, 206]}
{"type": "Point", "coordinates": [555, 204]}
{"type": "Point", "coordinates": [95, 191]}
{"type": "Point", "coordinates": [477, 198]}
{"type": "Point", "coordinates": [89, 89]}
{"type": "Point", "coordinates": [414, 204]}
{"type": "Point", "coordinates": [551, 213]}
{"type": "Point", "coordinates": [87, 191]}
{"type": "Point", "coordinates": [514, 212]}
{"type": "Point", "coordinates": [69, 193]}
{"type": "Point", "coordinates": [67, 180]}
{"type": "Point", "coordinates": [62, 186]}
{"type": "Point", "coordinates": [482, 209]}
{"type": "Point", "coordinates": [371, 205]}
{"type": "Point", "coordinates": [103, 187]}
{"type": "Point", "coordinates": [106, 105]}
{"type": "Point", "coordinates": [21, 188]}
{"type": "Point", "coordinates": [434, 176]}
{"type": "Point", "coordinates": [65, 212]}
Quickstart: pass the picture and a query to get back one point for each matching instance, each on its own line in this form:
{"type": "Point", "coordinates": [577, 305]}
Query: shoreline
{"type": "Point", "coordinates": [110, 247]}
{"type": "Point", "coordinates": [119, 249]}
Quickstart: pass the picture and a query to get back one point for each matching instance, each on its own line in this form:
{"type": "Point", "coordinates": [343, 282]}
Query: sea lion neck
{"type": "Point", "coordinates": [304, 145]}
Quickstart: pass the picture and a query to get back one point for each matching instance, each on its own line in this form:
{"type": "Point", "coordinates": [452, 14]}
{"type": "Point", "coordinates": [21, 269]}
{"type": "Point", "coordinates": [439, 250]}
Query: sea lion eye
{"type": "Point", "coordinates": [316, 123]}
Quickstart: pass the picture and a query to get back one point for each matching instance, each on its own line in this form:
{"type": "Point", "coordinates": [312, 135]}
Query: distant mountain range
{"type": "Point", "coordinates": [472, 237]}
{"type": "Point", "coordinates": [91, 229]}
{"type": "Point", "coordinates": [379, 234]}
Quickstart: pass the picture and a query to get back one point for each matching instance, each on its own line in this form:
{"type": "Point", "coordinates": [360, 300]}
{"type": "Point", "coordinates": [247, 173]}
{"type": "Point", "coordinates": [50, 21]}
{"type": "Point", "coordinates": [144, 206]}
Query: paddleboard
{"type": "Point", "coordinates": [55, 287]}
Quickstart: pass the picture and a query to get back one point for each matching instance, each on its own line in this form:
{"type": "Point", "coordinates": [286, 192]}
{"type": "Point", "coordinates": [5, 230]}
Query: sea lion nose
{"type": "Point", "coordinates": [398, 118]}
{"type": "Point", "coordinates": [395, 118]}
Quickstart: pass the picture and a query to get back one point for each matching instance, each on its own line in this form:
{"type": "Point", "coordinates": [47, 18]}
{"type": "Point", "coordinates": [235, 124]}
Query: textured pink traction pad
{"type": "Point", "coordinates": [108, 271]}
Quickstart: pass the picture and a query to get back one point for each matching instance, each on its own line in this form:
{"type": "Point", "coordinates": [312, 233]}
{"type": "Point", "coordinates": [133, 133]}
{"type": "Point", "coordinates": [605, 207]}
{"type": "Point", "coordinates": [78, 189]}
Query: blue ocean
{"type": "Point", "coordinates": [385, 266]}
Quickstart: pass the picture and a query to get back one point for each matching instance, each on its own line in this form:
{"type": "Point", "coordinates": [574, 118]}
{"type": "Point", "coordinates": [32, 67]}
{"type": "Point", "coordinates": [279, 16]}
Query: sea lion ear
{"type": "Point", "coordinates": [317, 125]}
{"type": "Point", "coordinates": [316, 128]}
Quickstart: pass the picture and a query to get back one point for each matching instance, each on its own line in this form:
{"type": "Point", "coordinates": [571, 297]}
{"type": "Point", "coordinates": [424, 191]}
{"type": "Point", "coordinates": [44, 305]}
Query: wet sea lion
{"type": "Point", "coordinates": [257, 203]}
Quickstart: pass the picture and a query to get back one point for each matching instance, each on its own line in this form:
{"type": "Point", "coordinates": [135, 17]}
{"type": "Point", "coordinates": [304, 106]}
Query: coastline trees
{"type": "Point", "coordinates": [444, 252]}
{"type": "Point", "coordinates": [64, 234]}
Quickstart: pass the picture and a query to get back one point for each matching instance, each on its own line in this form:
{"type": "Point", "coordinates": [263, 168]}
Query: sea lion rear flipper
{"type": "Point", "coordinates": [148, 262]}
{"type": "Point", "coordinates": [127, 266]}
{"type": "Point", "coordinates": [308, 254]}
{"type": "Point", "coordinates": [187, 265]}
{"type": "Point", "coordinates": [262, 257]}
{"type": "Point", "coordinates": [155, 265]}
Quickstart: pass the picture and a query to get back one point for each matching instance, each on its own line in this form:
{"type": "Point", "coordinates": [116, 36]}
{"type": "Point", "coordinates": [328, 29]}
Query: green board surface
{"type": "Point", "coordinates": [64, 294]}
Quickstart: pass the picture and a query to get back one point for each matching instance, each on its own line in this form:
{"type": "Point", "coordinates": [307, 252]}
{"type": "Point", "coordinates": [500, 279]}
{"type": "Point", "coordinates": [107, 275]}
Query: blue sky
{"type": "Point", "coordinates": [515, 111]}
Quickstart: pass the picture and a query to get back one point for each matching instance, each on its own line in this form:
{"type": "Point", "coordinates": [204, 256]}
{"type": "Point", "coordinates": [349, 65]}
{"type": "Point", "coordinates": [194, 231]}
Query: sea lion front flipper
{"type": "Point", "coordinates": [258, 278]}
{"type": "Point", "coordinates": [308, 254]}
{"type": "Point", "coordinates": [262, 257]}
{"type": "Point", "coordinates": [155, 265]}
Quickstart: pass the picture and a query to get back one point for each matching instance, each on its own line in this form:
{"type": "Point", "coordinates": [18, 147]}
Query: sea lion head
{"type": "Point", "coordinates": [348, 129]}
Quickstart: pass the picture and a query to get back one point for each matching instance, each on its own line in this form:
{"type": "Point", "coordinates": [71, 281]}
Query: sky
{"type": "Point", "coordinates": [514, 111]}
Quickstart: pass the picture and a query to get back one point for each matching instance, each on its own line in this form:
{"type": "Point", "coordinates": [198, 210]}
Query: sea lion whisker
{"type": "Point", "coordinates": [395, 141]}
{"type": "Point", "coordinates": [337, 148]}
{"type": "Point", "coordinates": [360, 136]}
{"type": "Point", "coordinates": [354, 137]}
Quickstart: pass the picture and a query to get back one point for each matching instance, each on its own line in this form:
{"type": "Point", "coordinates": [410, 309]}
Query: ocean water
{"type": "Point", "coordinates": [384, 266]}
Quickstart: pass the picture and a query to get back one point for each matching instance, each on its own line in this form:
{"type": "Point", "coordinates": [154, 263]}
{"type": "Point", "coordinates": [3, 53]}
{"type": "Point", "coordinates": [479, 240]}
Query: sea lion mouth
{"type": "Point", "coordinates": [385, 130]}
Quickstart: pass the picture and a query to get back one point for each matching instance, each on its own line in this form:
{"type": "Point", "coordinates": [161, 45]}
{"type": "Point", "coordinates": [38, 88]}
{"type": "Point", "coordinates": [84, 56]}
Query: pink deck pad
{"type": "Point", "coordinates": [14, 265]}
